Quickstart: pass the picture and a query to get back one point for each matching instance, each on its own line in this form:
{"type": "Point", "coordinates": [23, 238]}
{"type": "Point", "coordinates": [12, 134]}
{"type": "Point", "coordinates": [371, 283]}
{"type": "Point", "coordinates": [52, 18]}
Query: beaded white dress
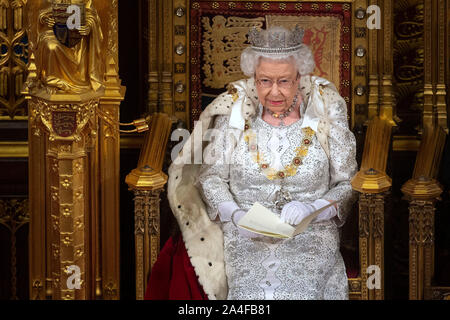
{"type": "Point", "coordinates": [310, 265]}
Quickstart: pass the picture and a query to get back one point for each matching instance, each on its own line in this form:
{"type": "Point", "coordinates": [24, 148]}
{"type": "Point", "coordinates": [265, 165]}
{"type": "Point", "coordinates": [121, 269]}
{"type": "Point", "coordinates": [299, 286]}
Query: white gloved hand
{"type": "Point", "coordinates": [294, 212]}
{"type": "Point", "coordinates": [226, 210]}
{"type": "Point", "coordinates": [326, 214]}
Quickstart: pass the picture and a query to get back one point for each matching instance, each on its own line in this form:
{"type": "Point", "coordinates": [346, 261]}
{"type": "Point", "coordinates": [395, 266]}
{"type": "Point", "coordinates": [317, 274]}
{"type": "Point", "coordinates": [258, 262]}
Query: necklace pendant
{"type": "Point", "coordinates": [282, 197]}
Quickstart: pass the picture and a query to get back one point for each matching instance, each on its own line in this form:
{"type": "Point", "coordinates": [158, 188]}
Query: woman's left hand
{"type": "Point", "coordinates": [294, 212]}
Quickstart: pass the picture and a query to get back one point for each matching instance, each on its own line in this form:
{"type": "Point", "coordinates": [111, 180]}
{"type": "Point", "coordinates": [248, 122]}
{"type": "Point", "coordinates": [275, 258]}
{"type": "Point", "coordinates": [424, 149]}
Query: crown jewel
{"type": "Point", "coordinates": [276, 40]}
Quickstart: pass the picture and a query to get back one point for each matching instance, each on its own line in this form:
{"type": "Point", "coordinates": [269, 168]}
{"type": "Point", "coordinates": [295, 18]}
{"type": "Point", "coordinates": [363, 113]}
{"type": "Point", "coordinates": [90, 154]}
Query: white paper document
{"type": "Point", "coordinates": [261, 220]}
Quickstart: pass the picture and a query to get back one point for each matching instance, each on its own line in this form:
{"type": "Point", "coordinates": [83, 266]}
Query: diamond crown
{"type": "Point", "coordinates": [276, 40]}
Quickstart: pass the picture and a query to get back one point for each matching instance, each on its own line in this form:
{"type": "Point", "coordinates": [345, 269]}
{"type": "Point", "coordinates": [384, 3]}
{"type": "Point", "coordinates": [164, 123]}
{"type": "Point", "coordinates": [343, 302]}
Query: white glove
{"type": "Point", "coordinates": [294, 212]}
{"type": "Point", "coordinates": [326, 214]}
{"type": "Point", "coordinates": [226, 210]}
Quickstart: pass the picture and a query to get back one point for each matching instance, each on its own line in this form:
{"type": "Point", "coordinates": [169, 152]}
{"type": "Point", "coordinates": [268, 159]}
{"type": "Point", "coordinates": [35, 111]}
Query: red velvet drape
{"type": "Point", "coordinates": [173, 276]}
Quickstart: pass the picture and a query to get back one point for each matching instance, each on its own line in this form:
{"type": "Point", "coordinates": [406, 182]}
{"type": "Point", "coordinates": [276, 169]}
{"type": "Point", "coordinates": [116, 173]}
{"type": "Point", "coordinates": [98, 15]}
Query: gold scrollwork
{"type": "Point", "coordinates": [14, 58]}
{"type": "Point", "coordinates": [224, 39]}
{"type": "Point", "coordinates": [110, 290]}
{"type": "Point", "coordinates": [43, 111]}
{"type": "Point", "coordinates": [153, 219]}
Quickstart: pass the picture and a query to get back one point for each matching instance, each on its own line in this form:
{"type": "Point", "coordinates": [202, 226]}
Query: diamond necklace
{"type": "Point", "coordinates": [284, 114]}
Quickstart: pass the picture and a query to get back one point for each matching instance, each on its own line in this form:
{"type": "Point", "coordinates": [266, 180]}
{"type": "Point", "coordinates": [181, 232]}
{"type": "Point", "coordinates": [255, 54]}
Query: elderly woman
{"type": "Point", "coordinates": [282, 139]}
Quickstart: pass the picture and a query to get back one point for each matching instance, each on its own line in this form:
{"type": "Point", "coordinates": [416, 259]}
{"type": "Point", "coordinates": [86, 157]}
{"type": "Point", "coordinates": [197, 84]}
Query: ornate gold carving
{"type": "Point", "coordinates": [14, 213]}
{"type": "Point", "coordinates": [421, 246]}
{"type": "Point", "coordinates": [110, 291]}
{"type": "Point", "coordinates": [371, 240]}
{"type": "Point", "coordinates": [153, 216]}
{"type": "Point", "coordinates": [439, 293]}
{"type": "Point", "coordinates": [147, 235]}
{"type": "Point", "coordinates": [354, 286]}
{"type": "Point", "coordinates": [113, 31]}
{"type": "Point", "coordinates": [14, 58]}
{"type": "Point", "coordinates": [45, 112]}
{"type": "Point", "coordinates": [140, 208]}
{"type": "Point", "coordinates": [37, 289]}
{"type": "Point", "coordinates": [73, 68]}
{"type": "Point", "coordinates": [224, 39]}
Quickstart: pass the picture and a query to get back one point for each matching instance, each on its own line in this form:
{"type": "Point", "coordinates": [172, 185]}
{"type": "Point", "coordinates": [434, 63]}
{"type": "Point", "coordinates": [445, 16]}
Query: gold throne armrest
{"type": "Point", "coordinates": [372, 183]}
{"type": "Point", "coordinates": [147, 181]}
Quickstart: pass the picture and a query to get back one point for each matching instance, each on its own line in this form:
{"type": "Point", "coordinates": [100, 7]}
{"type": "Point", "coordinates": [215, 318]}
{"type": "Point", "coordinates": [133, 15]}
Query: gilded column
{"type": "Point", "coordinates": [168, 49]}
{"type": "Point", "coordinates": [434, 87]}
{"type": "Point", "coordinates": [371, 241]}
{"type": "Point", "coordinates": [387, 92]}
{"type": "Point", "coordinates": [374, 79]}
{"type": "Point", "coordinates": [373, 184]}
{"type": "Point", "coordinates": [422, 191]}
{"type": "Point", "coordinates": [109, 168]}
{"type": "Point", "coordinates": [154, 14]}
{"type": "Point", "coordinates": [423, 194]}
{"type": "Point", "coordinates": [68, 125]}
{"type": "Point", "coordinates": [73, 94]}
{"type": "Point", "coordinates": [441, 106]}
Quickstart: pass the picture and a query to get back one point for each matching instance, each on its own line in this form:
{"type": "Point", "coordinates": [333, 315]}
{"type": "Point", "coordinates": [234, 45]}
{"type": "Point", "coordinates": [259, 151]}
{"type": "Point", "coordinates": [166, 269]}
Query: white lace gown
{"type": "Point", "coordinates": [308, 266]}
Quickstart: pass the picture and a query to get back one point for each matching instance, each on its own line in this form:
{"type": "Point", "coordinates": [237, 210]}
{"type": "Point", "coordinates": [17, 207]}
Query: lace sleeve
{"type": "Point", "coordinates": [214, 172]}
{"type": "Point", "coordinates": [343, 166]}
